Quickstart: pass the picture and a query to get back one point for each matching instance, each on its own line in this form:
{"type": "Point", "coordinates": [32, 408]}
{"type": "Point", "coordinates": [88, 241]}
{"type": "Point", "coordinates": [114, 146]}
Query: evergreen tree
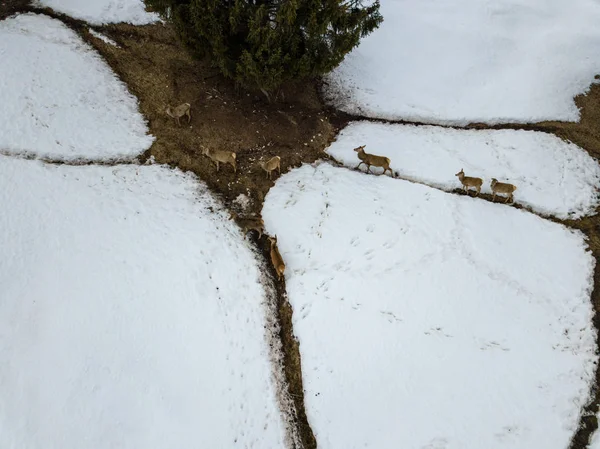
{"type": "Point", "coordinates": [264, 43]}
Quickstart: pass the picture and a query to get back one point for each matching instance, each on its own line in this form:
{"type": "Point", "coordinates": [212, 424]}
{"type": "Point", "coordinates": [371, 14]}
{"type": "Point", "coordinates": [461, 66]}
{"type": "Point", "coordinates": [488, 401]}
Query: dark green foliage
{"type": "Point", "coordinates": [264, 43]}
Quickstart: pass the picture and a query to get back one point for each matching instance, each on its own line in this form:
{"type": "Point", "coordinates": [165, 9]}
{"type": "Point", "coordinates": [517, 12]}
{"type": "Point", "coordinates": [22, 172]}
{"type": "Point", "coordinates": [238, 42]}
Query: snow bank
{"type": "Point", "coordinates": [595, 441]}
{"type": "Point", "coordinates": [430, 320]}
{"type": "Point", "coordinates": [99, 12]}
{"type": "Point", "coordinates": [60, 99]}
{"type": "Point", "coordinates": [471, 61]}
{"type": "Point", "coordinates": [103, 38]}
{"type": "Point", "coordinates": [552, 176]}
{"type": "Point", "coordinates": [131, 314]}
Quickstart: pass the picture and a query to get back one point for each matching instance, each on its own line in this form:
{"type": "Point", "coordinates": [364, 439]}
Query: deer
{"type": "Point", "coordinates": [468, 181]}
{"type": "Point", "coordinates": [276, 258]}
{"type": "Point", "coordinates": [271, 165]}
{"type": "Point", "coordinates": [179, 111]}
{"type": "Point", "coordinates": [225, 157]}
{"type": "Point", "coordinates": [249, 224]}
{"type": "Point", "coordinates": [502, 187]}
{"type": "Point", "coordinates": [371, 159]}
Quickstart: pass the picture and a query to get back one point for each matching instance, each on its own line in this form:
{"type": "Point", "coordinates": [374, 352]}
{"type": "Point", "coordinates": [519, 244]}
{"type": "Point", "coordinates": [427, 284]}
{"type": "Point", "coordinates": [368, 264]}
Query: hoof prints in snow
{"type": "Point", "coordinates": [59, 99]}
{"type": "Point", "coordinates": [552, 176]}
{"type": "Point", "coordinates": [471, 61]}
{"type": "Point", "coordinates": [431, 320]}
{"type": "Point", "coordinates": [131, 314]}
{"type": "Point", "coordinates": [100, 12]}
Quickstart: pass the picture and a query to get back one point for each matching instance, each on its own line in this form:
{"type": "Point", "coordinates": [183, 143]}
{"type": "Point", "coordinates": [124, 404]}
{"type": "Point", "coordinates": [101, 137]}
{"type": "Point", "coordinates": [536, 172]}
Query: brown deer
{"type": "Point", "coordinates": [371, 159]}
{"type": "Point", "coordinates": [468, 182]}
{"type": "Point", "coordinates": [502, 187]}
{"type": "Point", "coordinates": [180, 111]}
{"type": "Point", "coordinates": [271, 165]}
{"type": "Point", "coordinates": [249, 224]}
{"type": "Point", "coordinates": [276, 258]}
{"type": "Point", "coordinates": [225, 157]}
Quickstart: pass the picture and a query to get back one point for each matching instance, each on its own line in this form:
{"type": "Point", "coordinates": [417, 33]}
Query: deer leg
{"type": "Point", "coordinates": [507, 198]}
{"type": "Point", "coordinates": [369, 169]}
{"type": "Point", "coordinates": [478, 191]}
{"type": "Point", "coordinates": [217, 166]}
{"type": "Point", "coordinates": [356, 168]}
{"type": "Point", "coordinates": [493, 197]}
{"type": "Point", "coordinates": [177, 118]}
{"type": "Point", "coordinates": [189, 115]}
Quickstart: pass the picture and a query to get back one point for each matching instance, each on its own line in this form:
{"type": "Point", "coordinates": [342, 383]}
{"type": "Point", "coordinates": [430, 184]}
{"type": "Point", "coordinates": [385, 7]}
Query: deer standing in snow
{"type": "Point", "coordinates": [468, 182]}
{"type": "Point", "coordinates": [502, 187]}
{"type": "Point", "coordinates": [371, 159]}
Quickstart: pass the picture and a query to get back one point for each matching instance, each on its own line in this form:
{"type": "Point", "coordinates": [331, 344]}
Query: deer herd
{"type": "Point", "coordinates": [370, 160]}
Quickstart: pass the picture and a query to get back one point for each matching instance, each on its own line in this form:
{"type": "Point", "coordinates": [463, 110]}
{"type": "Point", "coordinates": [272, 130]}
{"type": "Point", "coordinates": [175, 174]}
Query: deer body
{"type": "Point", "coordinates": [373, 160]}
{"type": "Point", "coordinates": [225, 157]}
{"type": "Point", "coordinates": [468, 182]}
{"type": "Point", "coordinates": [249, 224]}
{"type": "Point", "coordinates": [180, 111]}
{"type": "Point", "coordinates": [502, 187]}
{"type": "Point", "coordinates": [271, 165]}
{"type": "Point", "coordinates": [276, 258]}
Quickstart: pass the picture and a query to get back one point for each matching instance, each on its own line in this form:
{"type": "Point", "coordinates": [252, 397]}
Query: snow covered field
{"type": "Point", "coordinates": [430, 320]}
{"type": "Point", "coordinates": [467, 61]}
{"type": "Point", "coordinates": [60, 99]}
{"type": "Point", "coordinates": [131, 314]}
{"type": "Point", "coordinates": [99, 12]}
{"type": "Point", "coordinates": [552, 176]}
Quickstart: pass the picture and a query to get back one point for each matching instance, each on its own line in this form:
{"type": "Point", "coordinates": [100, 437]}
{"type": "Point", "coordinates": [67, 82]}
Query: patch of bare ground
{"type": "Point", "coordinates": [10, 7]}
{"type": "Point", "coordinates": [159, 70]}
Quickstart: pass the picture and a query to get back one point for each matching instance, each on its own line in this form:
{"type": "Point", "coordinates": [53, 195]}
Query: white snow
{"type": "Point", "coordinates": [595, 441]}
{"type": "Point", "coordinates": [103, 38]}
{"type": "Point", "coordinates": [552, 176]}
{"type": "Point", "coordinates": [60, 99]}
{"type": "Point", "coordinates": [467, 61]}
{"type": "Point", "coordinates": [100, 12]}
{"type": "Point", "coordinates": [432, 320]}
{"type": "Point", "coordinates": [131, 314]}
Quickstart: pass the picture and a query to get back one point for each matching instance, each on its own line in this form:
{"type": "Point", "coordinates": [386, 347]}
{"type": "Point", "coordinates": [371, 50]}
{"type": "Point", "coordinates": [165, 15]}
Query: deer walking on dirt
{"type": "Point", "coordinates": [249, 224]}
{"type": "Point", "coordinates": [468, 182]}
{"type": "Point", "coordinates": [276, 258]}
{"type": "Point", "coordinates": [177, 112]}
{"type": "Point", "coordinates": [225, 157]}
{"type": "Point", "coordinates": [502, 187]}
{"type": "Point", "coordinates": [373, 160]}
{"type": "Point", "coordinates": [271, 165]}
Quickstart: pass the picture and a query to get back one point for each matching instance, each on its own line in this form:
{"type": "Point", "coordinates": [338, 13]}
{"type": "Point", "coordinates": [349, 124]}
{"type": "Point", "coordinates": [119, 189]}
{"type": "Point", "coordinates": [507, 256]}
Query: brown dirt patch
{"type": "Point", "coordinates": [10, 7]}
